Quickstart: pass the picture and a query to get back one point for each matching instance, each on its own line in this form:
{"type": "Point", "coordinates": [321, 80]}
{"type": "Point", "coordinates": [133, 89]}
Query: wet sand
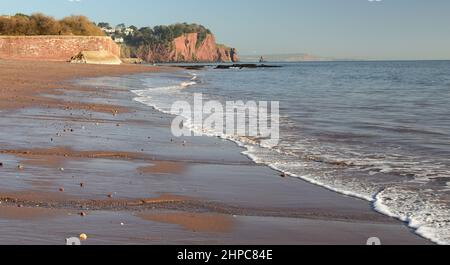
{"type": "Point", "coordinates": [81, 159]}
{"type": "Point", "coordinates": [194, 222]}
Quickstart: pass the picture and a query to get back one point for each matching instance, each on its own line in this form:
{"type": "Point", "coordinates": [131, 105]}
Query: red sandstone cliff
{"type": "Point", "coordinates": [188, 49]}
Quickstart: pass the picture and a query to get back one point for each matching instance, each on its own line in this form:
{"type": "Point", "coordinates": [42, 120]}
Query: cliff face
{"type": "Point", "coordinates": [188, 48]}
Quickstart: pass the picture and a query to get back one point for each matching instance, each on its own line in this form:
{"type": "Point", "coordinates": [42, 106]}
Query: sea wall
{"type": "Point", "coordinates": [53, 48]}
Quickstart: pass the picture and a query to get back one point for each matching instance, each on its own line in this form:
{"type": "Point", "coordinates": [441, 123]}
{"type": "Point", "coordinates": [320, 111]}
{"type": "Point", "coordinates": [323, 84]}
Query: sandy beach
{"type": "Point", "coordinates": [88, 159]}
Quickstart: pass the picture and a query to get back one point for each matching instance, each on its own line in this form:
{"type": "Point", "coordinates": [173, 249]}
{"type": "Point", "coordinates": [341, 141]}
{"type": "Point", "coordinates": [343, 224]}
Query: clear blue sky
{"type": "Point", "coordinates": [390, 29]}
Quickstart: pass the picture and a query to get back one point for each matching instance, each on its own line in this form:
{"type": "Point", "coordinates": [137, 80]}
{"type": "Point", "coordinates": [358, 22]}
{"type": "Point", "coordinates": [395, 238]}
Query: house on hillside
{"type": "Point", "coordinates": [119, 40]}
{"type": "Point", "coordinates": [128, 31]}
{"type": "Point", "coordinates": [109, 31]}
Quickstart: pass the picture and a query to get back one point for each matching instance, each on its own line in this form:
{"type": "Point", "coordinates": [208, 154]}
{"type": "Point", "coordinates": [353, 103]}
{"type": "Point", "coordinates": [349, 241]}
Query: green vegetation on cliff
{"type": "Point", "coordinates": [39, 24]}
{"type": "Point", "coordinates": [165, 34]}
{"type": "Point", "coordinates": [162, 36]}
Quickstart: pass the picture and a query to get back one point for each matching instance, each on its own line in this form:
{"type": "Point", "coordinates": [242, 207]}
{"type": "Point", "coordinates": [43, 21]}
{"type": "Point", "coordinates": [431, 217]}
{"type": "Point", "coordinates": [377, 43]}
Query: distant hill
{"type": "Point", "coordinates": [294, 57]}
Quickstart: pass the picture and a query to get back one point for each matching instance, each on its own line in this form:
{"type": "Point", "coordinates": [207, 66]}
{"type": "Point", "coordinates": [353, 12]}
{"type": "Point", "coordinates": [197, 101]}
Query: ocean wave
{"type": "Point", "coordinates": [420, 209]}
{"type": "Point", "coordinates": [423, 212]}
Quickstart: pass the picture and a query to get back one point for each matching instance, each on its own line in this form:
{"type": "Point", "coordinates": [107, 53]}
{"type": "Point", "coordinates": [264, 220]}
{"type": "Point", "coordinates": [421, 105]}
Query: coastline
{"type": "Point", "coordinates": [95, 151]}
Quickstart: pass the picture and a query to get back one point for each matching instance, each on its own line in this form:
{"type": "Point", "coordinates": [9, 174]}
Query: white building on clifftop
{"type": "Point", "coordinates": [109, 30]}
{"type": "Point", "coordinates": [119, 40]}
{"type": "Point", "coordinates": [128, 31]}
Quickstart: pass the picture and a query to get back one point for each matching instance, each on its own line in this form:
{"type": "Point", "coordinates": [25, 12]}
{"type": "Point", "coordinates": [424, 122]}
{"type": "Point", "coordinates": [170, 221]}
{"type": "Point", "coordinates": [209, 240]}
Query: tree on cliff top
{"type": "Point", "coordinates": [80, 25]}
{"type": "Point", "coordinates": [105, 25]}
{"type": "Point", "coordinates": [40, 24]}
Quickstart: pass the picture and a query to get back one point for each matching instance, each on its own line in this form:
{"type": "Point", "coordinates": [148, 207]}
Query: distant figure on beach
{"type": "Point", "coordinates": [262, 60]}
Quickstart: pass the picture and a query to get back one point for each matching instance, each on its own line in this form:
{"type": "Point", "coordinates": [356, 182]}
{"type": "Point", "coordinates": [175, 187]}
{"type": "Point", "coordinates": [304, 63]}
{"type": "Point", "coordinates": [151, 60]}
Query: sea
{"type": "Point", "coordinates": [376, 130]}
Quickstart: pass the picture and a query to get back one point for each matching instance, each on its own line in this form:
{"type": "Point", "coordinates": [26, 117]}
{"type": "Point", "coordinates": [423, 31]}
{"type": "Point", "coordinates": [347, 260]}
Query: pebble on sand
{"type": "Point", "coordinates": [83, 237]}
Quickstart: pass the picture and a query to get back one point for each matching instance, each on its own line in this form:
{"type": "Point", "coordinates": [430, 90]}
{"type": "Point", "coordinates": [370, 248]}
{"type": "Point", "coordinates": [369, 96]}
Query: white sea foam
{"type": "Point", "coordinates": [429, 218]}
{"type": "Point", "coordinates": [187, 84]}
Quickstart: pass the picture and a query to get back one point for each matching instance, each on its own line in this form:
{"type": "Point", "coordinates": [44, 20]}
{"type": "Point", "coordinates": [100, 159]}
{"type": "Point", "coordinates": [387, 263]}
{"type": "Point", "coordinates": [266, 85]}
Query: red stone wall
{"type": "Point", "coordinates": [53, 48]}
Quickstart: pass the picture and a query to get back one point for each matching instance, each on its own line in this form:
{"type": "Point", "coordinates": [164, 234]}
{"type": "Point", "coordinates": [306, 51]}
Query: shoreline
{"type": "Point", "coordinates": [118, 173]}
